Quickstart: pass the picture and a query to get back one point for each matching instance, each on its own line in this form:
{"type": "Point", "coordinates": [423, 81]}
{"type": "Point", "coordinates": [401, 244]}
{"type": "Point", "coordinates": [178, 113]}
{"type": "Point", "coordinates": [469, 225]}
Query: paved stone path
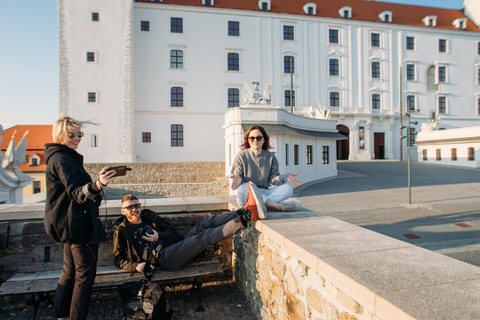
{"type": "Point", "coordinates": [224, 302]}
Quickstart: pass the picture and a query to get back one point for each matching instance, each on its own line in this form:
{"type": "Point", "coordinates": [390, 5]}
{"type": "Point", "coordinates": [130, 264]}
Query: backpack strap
{"type": "Point", "coordinates": [139, 313]}
{"type": "Point", "coordinates": [147, 271]}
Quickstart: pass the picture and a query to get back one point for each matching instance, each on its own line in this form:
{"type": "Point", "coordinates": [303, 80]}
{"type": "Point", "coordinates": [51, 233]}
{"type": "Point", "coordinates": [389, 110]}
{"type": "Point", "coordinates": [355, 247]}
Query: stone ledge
{"type": "Point", "coordinates": [391, 278]}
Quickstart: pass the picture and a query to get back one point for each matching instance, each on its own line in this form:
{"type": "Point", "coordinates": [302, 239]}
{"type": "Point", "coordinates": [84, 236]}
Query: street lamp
{"type": "Point", "coordinates": [407, 114]}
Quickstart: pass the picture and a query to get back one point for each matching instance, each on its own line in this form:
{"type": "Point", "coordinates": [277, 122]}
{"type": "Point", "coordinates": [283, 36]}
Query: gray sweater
{"type": "Point", "coordinates": [261, 169]}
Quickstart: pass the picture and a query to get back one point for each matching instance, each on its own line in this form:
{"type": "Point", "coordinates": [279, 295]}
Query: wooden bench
{"type": "Point", "coordinates": [38, 280]}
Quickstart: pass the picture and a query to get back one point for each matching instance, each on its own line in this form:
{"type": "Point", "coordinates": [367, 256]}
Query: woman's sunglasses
{"type": "Point", "coordinates": [258, 138]}
{"type": "Point", "coordinates": [72, 135]}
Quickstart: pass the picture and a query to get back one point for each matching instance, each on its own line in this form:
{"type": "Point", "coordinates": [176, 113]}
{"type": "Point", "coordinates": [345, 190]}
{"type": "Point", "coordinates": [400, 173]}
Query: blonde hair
{"type": "Point", "coordinates": [62, 126]}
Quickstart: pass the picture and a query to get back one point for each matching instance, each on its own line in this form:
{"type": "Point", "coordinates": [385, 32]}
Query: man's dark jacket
{"type": "Point", "coordinates": [71, 209]}
{"type": "Point", "coordinates": [126, 257]}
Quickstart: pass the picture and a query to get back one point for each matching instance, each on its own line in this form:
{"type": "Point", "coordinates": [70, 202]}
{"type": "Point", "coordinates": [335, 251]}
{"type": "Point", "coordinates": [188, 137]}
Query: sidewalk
{"type": "Point", "coordinates": [224, 302]}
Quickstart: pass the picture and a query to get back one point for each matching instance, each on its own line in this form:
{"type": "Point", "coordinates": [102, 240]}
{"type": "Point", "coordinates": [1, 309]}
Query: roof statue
{"type": "Point", "coordinates": [430, 126]}
{"type": "Point", "coordinates": [256, 97]}
{"type": "Point", "coordinates": [13, 180]}
{"type": "Point", "coordinates": [324, 111]}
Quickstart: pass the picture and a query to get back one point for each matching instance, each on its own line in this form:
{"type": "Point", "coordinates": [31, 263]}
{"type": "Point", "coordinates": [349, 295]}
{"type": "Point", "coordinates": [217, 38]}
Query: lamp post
{"type": "Point", "coordinates": [407, 114]}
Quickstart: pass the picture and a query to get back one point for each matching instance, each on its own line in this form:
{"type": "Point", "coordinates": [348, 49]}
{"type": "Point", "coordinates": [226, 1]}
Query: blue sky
{"type": "Point", "coordinates": [29, 59]}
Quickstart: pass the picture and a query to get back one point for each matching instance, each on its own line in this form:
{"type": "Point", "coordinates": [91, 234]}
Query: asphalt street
{"type": "Point", "coordinates": [444, 215]}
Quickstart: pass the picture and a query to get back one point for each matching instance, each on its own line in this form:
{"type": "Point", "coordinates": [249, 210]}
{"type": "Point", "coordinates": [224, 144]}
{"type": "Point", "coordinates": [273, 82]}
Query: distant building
{"type": "Point", "coordinates": [454, 147]}
{"type": "Point", "coordinates": [157, 76]}
{"type": "Point", "coordinates": [34, 165]}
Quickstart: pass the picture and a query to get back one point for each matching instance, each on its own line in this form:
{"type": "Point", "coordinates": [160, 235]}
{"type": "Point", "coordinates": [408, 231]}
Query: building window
{"type": "Point", "coordinates": [309, 154]}
{"type": "Point", "coordinates": [325, 156]}
{"type": "Point", "coordinates": [233, 61]}
{"type": "Point", "coordinates": [376, 101]}
{"type": "Point", "coordinates": [176, 25]}
{"type": "Point", "coordinates": [375, 40]}
{"type": "Point", "coordinates": [264, 6]}
{"type": "Point", "coordinates": [310, 11]}
{"type": "Point", "coordinates": [288, 33]}
{"type": "Point", "coordinates": [413, 136]}
{"type": "Point", "coordinates": [36, 186]}
{"type": "Point", "coordinates": [176, 135]}
{"type": "Point", "coordinates": [375, 70]}
{"type": "Point", "coordinates": [90, 56]}
{"type": "Point", "coordinates": [176, 59]}
{"type": "Point", "coordinates": [95, 16]}
{"type": "Point", "coordinates": [442, 45]}
{"type": "Point", "coordinates": [442, 74]}
{"type": "Point", "coordinates": [332, 36]}
{"type": "Point", "coordinates": [33, 162]}
{"type": "Point", "coordinates": [95, 142]}
{"type": "Point", "coordinates": [410, 43]}
{"type": "Point", "coordinates": [207, 2]}
{"type": "Point", "coordinates": [145, 25]}
{"type": "Point", "coordinates": [295, 154]}
{"type": "Point", "coordinates": [334, 99]}
{"type": "Point", "coordinates": [176, 97]}
{"type": "Point", "coordinates": [288, 64]}
{"type": "Point", "coordinates": [442, 105]}
{"type": "Point", "coordinates": [478, 75]}
{"type": "Point", "coordinates": [431, 83]}
{"type": "Point", "coordinates": [438, 155]}
{"type": "Point", "coordinates": [478, 106]}
{"type": "Point", "coordinates": [233, 97]}
{"type": "Point", "coordinates": [92, 97]}
{"type": "Point", "coordinates": [334, 67]}
{"type": "Point", "coordinates": [410, 72]}
{"type": "Point", "coordinates": [386, 18]}
{"type": "Point", "coordinates": [471, 154]}
{"type": "Point", "coordinates": [454, 154]}
{"type": "Point", "coordinates": [410, 102]}
{"type": "Point", "coordinates": [287, 98]}
{"type": "Point", "coordinates": [146, 137]}
{"type": "Point", "coordinates": [478, 48]}
{"type": "Point", "coordinates": [424, 154]}
{"type": "Point", "coordinates": [286, 154]}
{"type": "Point", "coordinates": [234, 28]}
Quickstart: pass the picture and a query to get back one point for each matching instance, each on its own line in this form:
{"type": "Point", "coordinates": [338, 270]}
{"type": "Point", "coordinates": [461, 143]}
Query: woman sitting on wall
{"type": "Point", "coordinates": [258, 165]}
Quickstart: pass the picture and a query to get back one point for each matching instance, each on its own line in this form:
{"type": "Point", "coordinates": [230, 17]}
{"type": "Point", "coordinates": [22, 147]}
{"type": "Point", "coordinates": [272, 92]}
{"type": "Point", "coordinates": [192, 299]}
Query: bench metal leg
{"type": "Point", "coordinates": [32, 299]}
{"type": "Point", "coordinates": [197, 283]}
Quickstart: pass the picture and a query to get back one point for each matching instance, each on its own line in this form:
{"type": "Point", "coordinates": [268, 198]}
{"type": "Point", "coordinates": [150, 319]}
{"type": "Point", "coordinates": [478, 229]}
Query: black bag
{"type": "Point", "coordinates": [143, 300]}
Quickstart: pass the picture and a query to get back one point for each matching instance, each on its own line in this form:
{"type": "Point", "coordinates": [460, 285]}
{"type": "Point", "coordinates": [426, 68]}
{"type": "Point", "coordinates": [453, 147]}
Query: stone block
{"type": "Point", "coordinates": [267, 257]}
{"type": "Point", "coordinates": [278, 267]}
{"type": "Point", "coordinates": [348, 302]}
{"type": "Point", "coordinates": [314, 299]}
{"type": "Point", "coordinates": [294, 308]}
{"type": "Point", "coordinates": [314, 279]}
{"type": "Point", "coordinates": [277, 291]}
{"type": "Point", "coordinates": [331, 312]}
{"type": "Point", "coordinates": [347, 316]}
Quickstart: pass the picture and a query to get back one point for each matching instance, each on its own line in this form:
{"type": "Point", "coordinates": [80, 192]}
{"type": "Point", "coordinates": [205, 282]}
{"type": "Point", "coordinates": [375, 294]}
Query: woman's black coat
{"type": "Point", "coordinates": [71, 209]}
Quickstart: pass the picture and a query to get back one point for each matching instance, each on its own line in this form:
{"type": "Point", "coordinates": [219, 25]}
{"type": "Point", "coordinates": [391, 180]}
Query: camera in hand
{"type": "Point", "coordinates": [147, 229]}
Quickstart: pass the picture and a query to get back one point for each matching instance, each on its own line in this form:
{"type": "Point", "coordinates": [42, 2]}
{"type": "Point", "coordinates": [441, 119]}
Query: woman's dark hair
{"type": "Point", "coordinates": [266, 138]}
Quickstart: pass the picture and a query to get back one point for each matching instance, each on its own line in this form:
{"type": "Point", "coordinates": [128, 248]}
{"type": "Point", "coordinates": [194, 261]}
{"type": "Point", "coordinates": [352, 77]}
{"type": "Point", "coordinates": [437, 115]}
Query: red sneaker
{"type": "Point", "coordinates": [255, 203]}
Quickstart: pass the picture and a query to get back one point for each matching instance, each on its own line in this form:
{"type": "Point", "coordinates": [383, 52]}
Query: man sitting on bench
{"type": "Point", "coordinates": [137, 231]}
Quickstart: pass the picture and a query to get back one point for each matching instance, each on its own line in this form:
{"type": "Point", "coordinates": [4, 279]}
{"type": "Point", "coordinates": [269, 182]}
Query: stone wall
{"type": "Point", "coordinates": [167, 179]}
{"type": "Point", "coordinates": [279, 286]}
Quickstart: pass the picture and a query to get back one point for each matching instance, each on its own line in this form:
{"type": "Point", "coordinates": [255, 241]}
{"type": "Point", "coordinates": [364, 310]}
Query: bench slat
{"type": "Point", "coordinates": [107, 276]}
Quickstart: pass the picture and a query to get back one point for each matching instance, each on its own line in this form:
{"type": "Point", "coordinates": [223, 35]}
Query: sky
{"type": "Point", "coordinates": [29, 59]}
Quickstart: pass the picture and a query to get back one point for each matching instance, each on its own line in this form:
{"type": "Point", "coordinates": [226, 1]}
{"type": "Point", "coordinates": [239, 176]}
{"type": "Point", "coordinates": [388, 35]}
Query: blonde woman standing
{"type": "Point", "coordinates": [72, 217]}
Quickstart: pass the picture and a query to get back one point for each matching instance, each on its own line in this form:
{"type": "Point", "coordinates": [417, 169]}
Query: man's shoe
{"type": "Point", "coordinates": [255, 203]}
{"type": "Point", "coordinates": [292, 205]}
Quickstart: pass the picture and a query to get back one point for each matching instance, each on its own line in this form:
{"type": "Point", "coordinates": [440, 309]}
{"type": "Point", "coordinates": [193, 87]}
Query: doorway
{"type": "Point", "coordinates": [343, 148]}
{"type": "Point", "coordinates": [379, 145]}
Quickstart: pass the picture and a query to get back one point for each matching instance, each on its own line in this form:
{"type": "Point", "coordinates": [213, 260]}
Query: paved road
{"type": "Point", "coordinates": [444, 215]}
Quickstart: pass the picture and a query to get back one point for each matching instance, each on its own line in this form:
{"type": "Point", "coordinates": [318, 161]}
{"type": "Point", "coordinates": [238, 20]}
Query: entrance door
{"type": "Point", "coordinates": [379, 145]}
{"type": "Point", "coordinates": [343, 149]}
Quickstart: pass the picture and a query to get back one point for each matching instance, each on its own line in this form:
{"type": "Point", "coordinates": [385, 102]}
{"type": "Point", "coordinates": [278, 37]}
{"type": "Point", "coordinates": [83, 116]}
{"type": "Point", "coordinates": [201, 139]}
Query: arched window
{"type": "Point", "coordinates": [431, 86]}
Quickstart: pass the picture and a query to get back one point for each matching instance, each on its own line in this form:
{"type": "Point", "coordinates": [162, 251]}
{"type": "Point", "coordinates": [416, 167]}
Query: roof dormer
{"type": "Point", "coordinates": [460, 23]}
{"type": "Point", "coordinates": [34, 160]}
{"type": "Point", "coordinates": [210, 3]}
{"type": "Point", "coordinates": [430, 21]}
{"type": "Point", "coordinates": [386, 16]}
{"type": "Point", "coordinates": [345, 12]}
{"type": "Point", "coordinates": [264, 5]}
{"type": "Point", "coordinates": [310, 8]}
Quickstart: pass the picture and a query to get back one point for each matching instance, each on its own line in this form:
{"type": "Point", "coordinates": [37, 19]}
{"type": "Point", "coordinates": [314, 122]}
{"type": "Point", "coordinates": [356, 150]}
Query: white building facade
{"type": "Point", "coordinates": [158, 76]}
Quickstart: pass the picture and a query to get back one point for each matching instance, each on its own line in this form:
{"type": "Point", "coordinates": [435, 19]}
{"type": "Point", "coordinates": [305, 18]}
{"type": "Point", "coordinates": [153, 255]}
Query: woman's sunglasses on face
{"type": "Point", "coordinates": [72, 135]}
{"type": "Point", "coordinates": [258, 138]}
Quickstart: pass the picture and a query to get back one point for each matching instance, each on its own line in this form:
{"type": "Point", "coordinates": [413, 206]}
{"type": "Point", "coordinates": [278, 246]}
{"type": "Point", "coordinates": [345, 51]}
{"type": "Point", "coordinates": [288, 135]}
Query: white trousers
{"type": "Point", "coordinates": [276, 194]}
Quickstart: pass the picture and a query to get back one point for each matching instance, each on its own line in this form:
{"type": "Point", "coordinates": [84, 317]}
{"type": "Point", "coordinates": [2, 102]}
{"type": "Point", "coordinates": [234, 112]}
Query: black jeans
{"type": "Point", "coordinates": [75, 284]}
